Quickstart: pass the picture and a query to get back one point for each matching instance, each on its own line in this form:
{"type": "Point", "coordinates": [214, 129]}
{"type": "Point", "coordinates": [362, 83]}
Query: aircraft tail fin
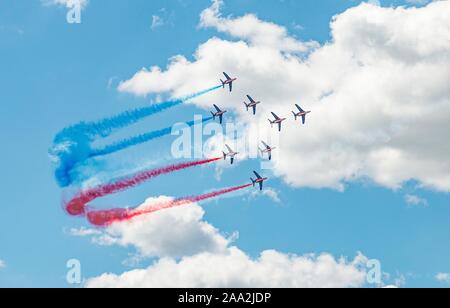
{"type": "Point", "coordinates": [261, 151]}
{"type": "Point", "coordinates": [253, 181]}
{"type": "Point", "coordinates": [214, 116]}
{"type": "Point", "coordinates": [223, 83]}
{"type": "Point", "coordinates": [224, 156]}
{"type": "Point", "coordinates": [271, 123]}
{"type": "Point", "coordinates": [246, 105]}
{"type": "Point", "coordinates": [295, 115]}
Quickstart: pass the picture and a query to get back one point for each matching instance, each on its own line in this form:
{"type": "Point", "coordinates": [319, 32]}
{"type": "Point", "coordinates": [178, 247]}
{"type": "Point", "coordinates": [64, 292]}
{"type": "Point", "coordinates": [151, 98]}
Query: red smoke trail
{"type": "Point", "coordinates": [77, 206]}
{"type": "Point", "coordinates": [105, 218]}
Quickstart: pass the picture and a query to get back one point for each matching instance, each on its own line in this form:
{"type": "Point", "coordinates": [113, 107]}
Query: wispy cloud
{"type": "Point", "coordinates": [157, 21]}
{"type": "Point", "coordinates": [82, 232]}
{"type": "Point", "coordinates": [2, 264]}
{"type": "Point", "coordinates": [161, 19]}
{"type": "Point", "coordinates": [443, 277]}
{"type": "Point", "coordinates": [413, 200]}
{"type": "Point", "coordinates": [66, 3]}
{"type": "Point", "coordinates": [268, 192]}
{"type": "Point", "coordinates": [13, 29]}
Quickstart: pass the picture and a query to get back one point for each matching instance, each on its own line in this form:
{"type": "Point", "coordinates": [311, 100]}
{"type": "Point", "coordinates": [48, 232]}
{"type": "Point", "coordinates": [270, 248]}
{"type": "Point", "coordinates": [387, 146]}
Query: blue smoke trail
{"type": "Point", "coordinates": [105, 127]}
{"type": "Point", "coordinates": [90, 167]}
{"type": "Point", "coordinates": [124, 144]}
{"type": "Point", "coordinates": [72, 145]}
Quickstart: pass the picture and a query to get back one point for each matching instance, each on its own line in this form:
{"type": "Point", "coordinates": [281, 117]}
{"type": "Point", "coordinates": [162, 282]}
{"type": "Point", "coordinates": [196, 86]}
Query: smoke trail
{"type": "Point", "coordinates": [105, 127]}
{"type": "Point", "coordinates": [77, 206]}
{"type": "Point", "coordinates": [124, 144]}
{"type": "Point", "coordinates": [72, 144]}
{"type": "Point", "coordinates": [105, 218]}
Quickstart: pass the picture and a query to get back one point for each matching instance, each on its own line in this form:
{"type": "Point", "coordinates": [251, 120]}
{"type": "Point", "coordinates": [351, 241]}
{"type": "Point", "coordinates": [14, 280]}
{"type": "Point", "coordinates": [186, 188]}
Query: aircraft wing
{"type": "Point", "coordinates": [275, 116]}
{"type": "Point", "coordinates": [251, 99]}
{"type": "Point", "coordinates": [217, 108]}
{"type": "Point", "coordinates": [226, 76]}
{"type": "Point", "coordinates": [232, 160]}
{"type": "Point", "coordinates": [270, 156]}
{"type": "Point", "coordinates": [260, 185]}
{"type": "Point", "coordinates": [229, 149]}
{"type": "Point", "coordinates": [221, 118]}
{"type": "Point", "coordinates": [254, 109]}
{"type": "Point", "coordinates": [231, 86]}
{"type": "Point", "coordinates": [279, 126]}
{"type": "Point", "coordinates": [266, 145]}
{"type": "Point", "coordinates": [257, 175]}
{"type": "Point", "coordinates": [299, 108]}
{"type": "Point", "coordinates": [304, 119]}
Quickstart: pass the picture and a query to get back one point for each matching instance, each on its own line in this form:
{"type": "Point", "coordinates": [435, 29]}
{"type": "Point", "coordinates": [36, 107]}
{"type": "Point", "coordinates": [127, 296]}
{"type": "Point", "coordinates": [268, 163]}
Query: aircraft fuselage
{"type": "Point", "coordinates": [229, 81]}
{"type": "Point", "coordinates": [218, 114]}
{"type": "Point", "coordinates": [268, 150]}
{"type": "Point", "coordinates": [278, 121]}
{"type": "Point", "coordinates": [231, 154]}
{"type": "Point", "coordinates": [254, 104]}
{"type": "Point", "coordinates": [300, 114]}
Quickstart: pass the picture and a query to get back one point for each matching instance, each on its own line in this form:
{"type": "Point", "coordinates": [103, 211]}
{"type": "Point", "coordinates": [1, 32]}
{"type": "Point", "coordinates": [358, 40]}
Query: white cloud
{"type": "Point", "coordinates": [236, 269]}
{"type": "Point", "coordinates": [250, 28]}
{"type": "Point", "coordinates": [157, 21]}
{"type": "Point", "coordinates": [414, 200]}
{"type": "Point", "coordinates": [82, 232]}
{"type": "Point", "coordinates": [443, 277]}
{"type": "Point", "coordinates": [400, 281]}
{"type": "Point", "coordinates": [194, 254]}
{"type": "Point", "coordinates": [272, 194]}
{"type": "Point", "coordinates": [268, 192]}
{"type": "Point", "coordinates": [378, 92]}
{"type": "Point", "coordinates": [66, 3]}
{"type": "Point", "coordinates": [2, 264]}
{"type": "Point", "coordinates": [163, 18]}
{"type": "Point", "coordinates": [171, 233]}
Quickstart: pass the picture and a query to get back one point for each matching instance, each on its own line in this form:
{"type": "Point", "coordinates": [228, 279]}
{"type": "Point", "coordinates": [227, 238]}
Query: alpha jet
{"type": "Point", "coordinates": [259, 180]}
{"type": "Point", "coordinates": [229, 81]}
{"type": "Point", "coordinates": [302, 113]}
{"type": "Point", "coordinates": [232, 154]}
{"type": "Point", "coordinates": [267, 149]}
{"type": "Point", "coordinates": [277, 120]}
{"type": "Point", "coordinates": [219, 113]}
{"type": "Point", "coordinates": [252, 104]}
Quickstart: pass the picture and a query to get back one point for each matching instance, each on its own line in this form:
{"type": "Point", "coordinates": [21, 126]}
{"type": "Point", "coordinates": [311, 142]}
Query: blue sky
{"type": "Point", "coordinates": [54, 74]}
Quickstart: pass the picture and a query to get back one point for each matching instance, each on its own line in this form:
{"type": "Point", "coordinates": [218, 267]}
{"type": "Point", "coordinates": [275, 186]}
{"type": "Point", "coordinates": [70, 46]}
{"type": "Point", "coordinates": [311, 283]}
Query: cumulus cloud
{"type": "Point", "coordinates": [2, 264]}
{"type": "Point", "coordinates": [192, 253]}
{"type": "Point", "coordinates": [251, 29]}
{"type": "Point", "coordinates": [378, 92]}
{"type": "Point", "coordinates": [236, 269]}
{"type": "Point", "coordinates": [170, 233]}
